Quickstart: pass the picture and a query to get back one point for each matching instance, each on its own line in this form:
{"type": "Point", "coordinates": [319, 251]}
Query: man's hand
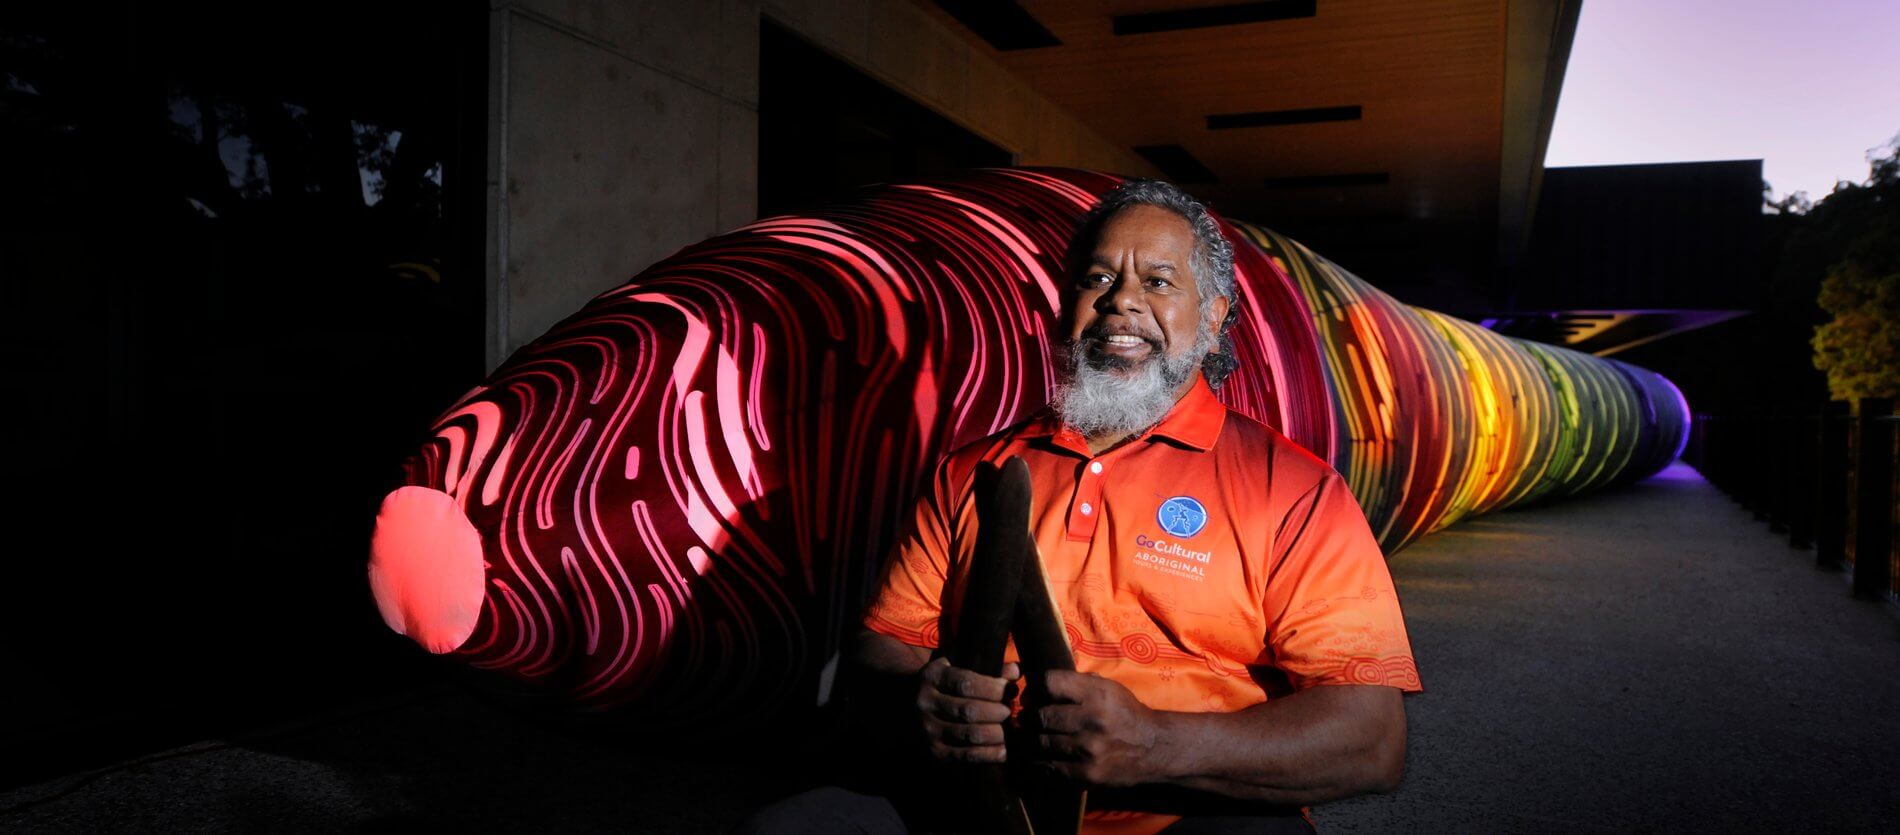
{"type": "Point", "coordinates": [1095, 730]}
{"type": "Point", "coordinates": [963, 712]}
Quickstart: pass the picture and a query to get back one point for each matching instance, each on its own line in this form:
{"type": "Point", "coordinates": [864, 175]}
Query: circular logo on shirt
{"type": "Point", "coordinates": [1182, 516]}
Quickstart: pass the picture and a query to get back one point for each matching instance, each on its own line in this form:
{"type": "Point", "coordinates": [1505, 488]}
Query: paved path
{"type": "Point", "coordinates": [1649, 659]}
{"type": "Point", "coordinates": [1645, 660]}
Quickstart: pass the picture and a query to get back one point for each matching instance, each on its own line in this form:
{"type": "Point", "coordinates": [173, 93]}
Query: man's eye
{"type": "Point", "coordinates": [1158, 281]}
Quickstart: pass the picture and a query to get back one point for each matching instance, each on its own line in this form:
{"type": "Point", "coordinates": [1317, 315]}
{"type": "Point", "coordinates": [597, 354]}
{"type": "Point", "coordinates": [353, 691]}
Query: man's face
{"type": "Point", "coordinates": [1136, 300]}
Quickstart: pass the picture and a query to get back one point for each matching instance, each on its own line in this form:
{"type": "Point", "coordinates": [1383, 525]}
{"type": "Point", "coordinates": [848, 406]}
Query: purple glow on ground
{"type": "Point", "coordinates": [1677, 471]}
{"type": "Point", "coordinates": [1808, 88]}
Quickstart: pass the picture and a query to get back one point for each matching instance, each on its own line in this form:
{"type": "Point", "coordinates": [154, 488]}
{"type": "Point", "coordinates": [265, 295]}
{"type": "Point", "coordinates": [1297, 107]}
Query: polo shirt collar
{"type": "Point", "coordinates": [1194, 422]}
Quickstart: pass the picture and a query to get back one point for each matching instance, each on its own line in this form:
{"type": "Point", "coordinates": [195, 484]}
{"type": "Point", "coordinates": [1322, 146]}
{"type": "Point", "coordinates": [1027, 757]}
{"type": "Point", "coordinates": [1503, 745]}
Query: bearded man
{"type": "Point", "coordinates": [1235, 629]}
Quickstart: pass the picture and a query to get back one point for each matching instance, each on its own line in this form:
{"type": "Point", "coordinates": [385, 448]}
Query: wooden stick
{"type": "Point", "coordinates": [1054, 807]}
{"type": "Point", "coordinates": [989, 605]}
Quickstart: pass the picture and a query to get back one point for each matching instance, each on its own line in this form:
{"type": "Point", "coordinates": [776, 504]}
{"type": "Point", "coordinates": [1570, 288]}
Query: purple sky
{"type": "Point", "coordinates": [1807, 87]}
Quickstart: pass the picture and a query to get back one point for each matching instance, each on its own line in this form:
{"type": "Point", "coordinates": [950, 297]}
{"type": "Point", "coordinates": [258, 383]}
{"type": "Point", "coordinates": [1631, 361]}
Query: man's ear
{"type": "Point", "coordinates": [1217, 317]}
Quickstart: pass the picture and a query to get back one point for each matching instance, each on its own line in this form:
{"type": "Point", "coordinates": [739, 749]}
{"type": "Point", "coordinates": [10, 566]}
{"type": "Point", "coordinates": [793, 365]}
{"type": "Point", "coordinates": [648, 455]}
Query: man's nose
{"type": "Point", "coordinates": [1124, 297]}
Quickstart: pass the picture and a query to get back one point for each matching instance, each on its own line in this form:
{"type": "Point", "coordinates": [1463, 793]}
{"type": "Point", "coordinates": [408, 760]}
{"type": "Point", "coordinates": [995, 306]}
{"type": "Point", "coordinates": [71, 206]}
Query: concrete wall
{"type": "Point", "coordinates": [620, 132]}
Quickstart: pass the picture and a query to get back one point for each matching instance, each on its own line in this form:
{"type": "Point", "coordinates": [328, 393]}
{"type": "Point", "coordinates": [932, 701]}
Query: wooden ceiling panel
{"type": "Point", "coordinates": [1428, 76]}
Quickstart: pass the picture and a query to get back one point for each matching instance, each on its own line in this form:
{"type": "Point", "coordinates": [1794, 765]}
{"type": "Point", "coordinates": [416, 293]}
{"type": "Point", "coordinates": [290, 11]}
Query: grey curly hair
{"type": "Point", "coordinates": [1212, 260]}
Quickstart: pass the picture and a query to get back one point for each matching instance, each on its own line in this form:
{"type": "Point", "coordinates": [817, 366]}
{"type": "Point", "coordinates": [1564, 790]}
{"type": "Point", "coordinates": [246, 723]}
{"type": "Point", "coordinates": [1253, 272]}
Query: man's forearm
{"type": "Point", "coordinates": [1323, 743]}
{"type": "Point", "coordinates": [884, 676]}
{"type": "Point", "coordinates": [1319, 744]}
{"type": "Point", "coordinates": [882, 653]}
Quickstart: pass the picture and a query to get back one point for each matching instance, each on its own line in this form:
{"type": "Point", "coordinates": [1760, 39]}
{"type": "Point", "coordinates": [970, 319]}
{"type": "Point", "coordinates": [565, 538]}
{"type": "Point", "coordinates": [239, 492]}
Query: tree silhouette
{"type": "Point", "coordinates": [1859, 348]}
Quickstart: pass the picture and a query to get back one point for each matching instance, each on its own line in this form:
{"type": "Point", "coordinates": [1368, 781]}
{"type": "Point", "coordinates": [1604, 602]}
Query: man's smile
{"type": "Point", "coordinates": [1127, 348]}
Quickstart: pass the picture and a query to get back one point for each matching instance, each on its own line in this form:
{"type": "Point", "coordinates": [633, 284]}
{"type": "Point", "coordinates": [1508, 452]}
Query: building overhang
{"type": "Point", "coordinates": [1403, 139]}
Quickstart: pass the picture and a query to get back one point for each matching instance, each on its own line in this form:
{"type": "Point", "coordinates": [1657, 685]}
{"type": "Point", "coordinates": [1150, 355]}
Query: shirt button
{"type": "Point", "coordinates": [1095, 467]}
{"type": "Point", "coordinates": [1086, 509]}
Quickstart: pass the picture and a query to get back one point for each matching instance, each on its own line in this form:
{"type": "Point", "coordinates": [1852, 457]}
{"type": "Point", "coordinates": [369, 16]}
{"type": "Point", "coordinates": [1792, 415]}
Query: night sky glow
{"type": "Point", "coordinates": [1808, 88]}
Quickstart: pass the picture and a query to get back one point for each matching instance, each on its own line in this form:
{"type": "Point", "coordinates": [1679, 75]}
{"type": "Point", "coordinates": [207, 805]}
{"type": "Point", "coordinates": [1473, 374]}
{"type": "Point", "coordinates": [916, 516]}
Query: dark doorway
{"type": "Point", "coordinates": [242, 265]}
{"type": "Point", "coordinates": [825, 128]}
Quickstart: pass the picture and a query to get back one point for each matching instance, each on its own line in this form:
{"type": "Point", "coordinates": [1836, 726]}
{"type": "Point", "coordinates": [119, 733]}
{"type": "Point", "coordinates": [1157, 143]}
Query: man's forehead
{"type": "Point", "coordinates": [1148, 227]}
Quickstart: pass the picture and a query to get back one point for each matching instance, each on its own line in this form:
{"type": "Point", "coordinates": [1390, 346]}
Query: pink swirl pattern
{"type": "Point", "coordinates": [684, 489]}
{"type": "Point", "coordinates": [678, 497]}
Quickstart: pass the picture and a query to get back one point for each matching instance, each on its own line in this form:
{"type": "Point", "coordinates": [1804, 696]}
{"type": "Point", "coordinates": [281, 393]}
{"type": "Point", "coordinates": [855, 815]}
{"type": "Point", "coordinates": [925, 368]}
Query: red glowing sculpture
{"type": "Point", "coordinates": [679, 496]}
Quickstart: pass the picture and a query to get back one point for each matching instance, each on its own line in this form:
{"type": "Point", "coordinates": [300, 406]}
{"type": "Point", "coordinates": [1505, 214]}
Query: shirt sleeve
{"type": "Point", "coordinates": [910, 592]}
{"type": "Point", "coordinates": [1333, 615]}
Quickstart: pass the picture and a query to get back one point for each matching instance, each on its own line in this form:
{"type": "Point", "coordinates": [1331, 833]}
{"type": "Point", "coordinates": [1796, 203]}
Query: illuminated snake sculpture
{"type": "Point", "coordinates": [678, 497]}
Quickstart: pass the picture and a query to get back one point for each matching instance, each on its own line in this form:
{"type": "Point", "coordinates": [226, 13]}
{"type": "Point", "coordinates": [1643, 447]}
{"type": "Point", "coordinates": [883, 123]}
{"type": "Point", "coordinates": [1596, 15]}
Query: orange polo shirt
{"type": "Point", "coordinates": [1208, 565]}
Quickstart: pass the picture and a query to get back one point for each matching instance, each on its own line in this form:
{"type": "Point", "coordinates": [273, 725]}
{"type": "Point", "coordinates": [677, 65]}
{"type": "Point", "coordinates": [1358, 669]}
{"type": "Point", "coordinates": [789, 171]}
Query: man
{"type": "Point", "coordinates": [1235, 629]}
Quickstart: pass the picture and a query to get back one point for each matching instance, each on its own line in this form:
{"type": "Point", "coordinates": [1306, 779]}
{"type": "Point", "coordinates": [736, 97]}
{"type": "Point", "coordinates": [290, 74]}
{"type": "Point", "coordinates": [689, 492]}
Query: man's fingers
{"type": "Point", "coordinates": [956, 681]}
{"type": "Point", "coordinates": [975, 754]}
{"type": "Point", "coordinates": [953, 742]}
{"type": "Point", "coordinates": [965, 711]}
{"type": "Point", "coordinates": [970, 736]}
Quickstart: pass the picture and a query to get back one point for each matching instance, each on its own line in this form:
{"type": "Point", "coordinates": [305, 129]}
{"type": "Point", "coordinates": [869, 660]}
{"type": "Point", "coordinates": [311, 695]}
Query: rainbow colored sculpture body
{"type": "Point", "coordinates": [678, 497]}
{"type": "Point", "coordinates": [1441, 419]}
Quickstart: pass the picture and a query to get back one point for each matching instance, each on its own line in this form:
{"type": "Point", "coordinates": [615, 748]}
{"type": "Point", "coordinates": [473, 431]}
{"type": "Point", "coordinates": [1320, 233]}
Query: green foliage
{"type": "Point", "coordinates": [1859, 348]}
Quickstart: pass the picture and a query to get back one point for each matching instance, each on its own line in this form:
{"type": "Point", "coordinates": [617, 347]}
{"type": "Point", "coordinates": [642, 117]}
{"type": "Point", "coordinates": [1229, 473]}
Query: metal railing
{"type": "Point", "coordinates": [1827, 480]}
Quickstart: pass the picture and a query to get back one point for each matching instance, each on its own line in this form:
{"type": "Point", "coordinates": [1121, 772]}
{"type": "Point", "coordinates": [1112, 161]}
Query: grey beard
{"type": "Point", "coordinates": [1097, 401]}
